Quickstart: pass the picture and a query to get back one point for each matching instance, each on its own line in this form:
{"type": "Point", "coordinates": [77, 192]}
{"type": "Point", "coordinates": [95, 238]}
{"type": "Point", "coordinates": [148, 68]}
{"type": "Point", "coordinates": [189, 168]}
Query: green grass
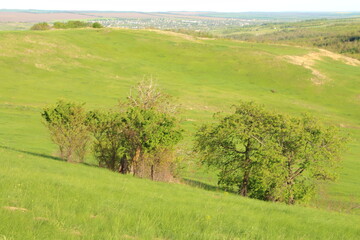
{"type": "Point", "coordinates": [82, 202]}
{"type": "Point", "coordinates": [98, 67]}
{"type": "Point", "coordinates": [12, 26]}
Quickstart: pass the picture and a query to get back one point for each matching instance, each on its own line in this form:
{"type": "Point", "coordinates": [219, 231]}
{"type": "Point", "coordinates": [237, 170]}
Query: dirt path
{"type": "Point", "coordinates": [309, 60]}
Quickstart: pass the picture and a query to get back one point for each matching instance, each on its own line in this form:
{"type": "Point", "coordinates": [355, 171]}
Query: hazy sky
{"type": "Point", "coordinates": [186, 5]}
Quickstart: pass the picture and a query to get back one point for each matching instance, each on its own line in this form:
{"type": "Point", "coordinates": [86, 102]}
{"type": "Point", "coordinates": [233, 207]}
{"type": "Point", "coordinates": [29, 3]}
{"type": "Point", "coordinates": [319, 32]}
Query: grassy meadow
{"type": "Point", "coordinates": [44, 198]}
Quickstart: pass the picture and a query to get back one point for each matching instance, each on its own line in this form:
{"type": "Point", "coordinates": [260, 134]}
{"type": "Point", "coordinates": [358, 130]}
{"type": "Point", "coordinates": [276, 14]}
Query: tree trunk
{"type": "Point", "coordinates": [135, 160]}
{"type": "Point", "coordinates": [245, 183]}
{"type": "Point", "coordinates": [152, 172]}
{"type": "Point", "coordinates": [123, 168]}
{"type": "Point", "coordinates": [291, 198]}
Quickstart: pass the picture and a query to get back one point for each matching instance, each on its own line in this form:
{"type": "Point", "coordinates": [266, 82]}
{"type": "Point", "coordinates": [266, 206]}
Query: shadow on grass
{"type": "Point", "coordinates": [32, 153]}
{"type": "Point", "coordinates": [199, 184]}
{"type": "Point", "coordinates": [205, 186]}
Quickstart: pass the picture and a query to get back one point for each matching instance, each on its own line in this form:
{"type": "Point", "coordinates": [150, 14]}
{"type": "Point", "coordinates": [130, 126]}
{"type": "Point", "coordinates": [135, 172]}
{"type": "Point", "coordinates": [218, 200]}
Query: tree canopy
{"type": "Point", "coordinates": [270, 156]}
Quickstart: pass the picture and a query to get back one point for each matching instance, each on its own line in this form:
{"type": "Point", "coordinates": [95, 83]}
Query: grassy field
{"type": "Point", "coordinates": [67, 201]}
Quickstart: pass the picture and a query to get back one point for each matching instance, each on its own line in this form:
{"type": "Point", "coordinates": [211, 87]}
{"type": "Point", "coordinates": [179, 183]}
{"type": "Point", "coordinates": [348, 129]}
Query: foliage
{"type": "Point", "coordinates": [71, 24]}
{"type": "Point", "coordinates": [140, 137]}
{"type": "Point", "coordinates": [311, 152]}
{"type": "Point", "coordinates": [40, 26]}
{"type": "Point", "coordinates": [66, 123]}
{"type": "Point", "coordinates": [152, 132]}
{"type": "Point", "coordinates": [97, 25]}
{"type": "Point", "coordinates": [269, 156]}
{"type": "Point", "coordinates": [108, 129]}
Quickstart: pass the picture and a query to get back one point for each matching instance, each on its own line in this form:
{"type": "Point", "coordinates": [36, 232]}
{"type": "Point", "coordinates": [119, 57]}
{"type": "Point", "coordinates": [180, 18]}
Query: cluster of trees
{"type": "Point", "coordinates": [139, 137]}
{"type": "Point", "coordinates": [270, 156]}
{"type": "Point", "coordinates": [76, 24]}
{"type": "Point", "coordinates": [65, 25]}
{"type": "Point", "coordinates": [41, 26]}
{"type": "Point", "coordinates": [343, 37]}
{"type": "Point", "coordinates": [258, 153]}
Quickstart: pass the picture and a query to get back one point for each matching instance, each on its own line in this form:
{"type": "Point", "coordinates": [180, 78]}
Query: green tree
{"type": "Point", "coordinates": [140, 138]}
{"type": "Point", "coordinates": [270, 156]}
{"type": "Point", "coordinates": [311, 152]}
{"type": "Point", "coordinates": [150, 132]}
{"type": "Point", "coordinates": [154, 127]}
{"type": "Point", "coordinates": [110, 134]}
{"type": "Point", "coordinates": [97, 25]}
{"type": "Point", "coordinates": [67, 125]}
{"type": "Point", "coordinates": [71, 24]}
{"type": "Point", "coordinates": [59, 25]}
{"type": "Point", "coordinates": [241, 146]}
{"type": "Point", "coordinates": [40, 26]}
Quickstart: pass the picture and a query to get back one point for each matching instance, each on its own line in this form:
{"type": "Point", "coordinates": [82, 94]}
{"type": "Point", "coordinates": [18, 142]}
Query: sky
{"type": "Point", "coordinates": [187, 5]}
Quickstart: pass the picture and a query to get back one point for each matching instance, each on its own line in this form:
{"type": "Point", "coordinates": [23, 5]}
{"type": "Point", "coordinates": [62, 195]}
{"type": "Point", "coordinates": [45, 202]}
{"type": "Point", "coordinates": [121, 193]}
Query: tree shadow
{"type": "Point", "coordinates": [198, 184]}
{"type": "Point", "coordinates": [32, 153]}
{"type": "Point", "coordinates": [205, 186]}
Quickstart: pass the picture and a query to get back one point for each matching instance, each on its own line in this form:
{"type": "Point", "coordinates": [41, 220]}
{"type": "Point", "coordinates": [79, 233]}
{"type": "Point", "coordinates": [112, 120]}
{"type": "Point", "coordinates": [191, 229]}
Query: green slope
{"type": "Point", "coordinates": [98, 67]}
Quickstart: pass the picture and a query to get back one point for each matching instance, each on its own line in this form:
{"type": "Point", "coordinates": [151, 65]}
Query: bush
{"type": "Point", "coordinates": [71, 24]}
{"type": "Point", "coordinates": [140, 138]}
{"type": "Point", "coordinates": [109, 131]}
{"type": "Point", "coordinates": [40, 26]}
{"type": "Point", "coordinates": [67, 125]}
{"type": "Point", "coordinates": [97, 25]}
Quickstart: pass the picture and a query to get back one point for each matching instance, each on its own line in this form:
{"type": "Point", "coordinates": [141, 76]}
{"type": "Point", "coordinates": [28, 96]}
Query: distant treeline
{"type": "Point", "coordinates": [65, 25]}
{"type": "Point", "coordinates": [341, 36]}
{"type": "Point", "coordinates": [258, 153]}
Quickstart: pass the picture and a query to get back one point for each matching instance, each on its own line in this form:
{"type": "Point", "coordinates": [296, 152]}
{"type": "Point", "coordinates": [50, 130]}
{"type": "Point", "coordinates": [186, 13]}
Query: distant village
{"type": "Point", "coordinates": [176, 23]}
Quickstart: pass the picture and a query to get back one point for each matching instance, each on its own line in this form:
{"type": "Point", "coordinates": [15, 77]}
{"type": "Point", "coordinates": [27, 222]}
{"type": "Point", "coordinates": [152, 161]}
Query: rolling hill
{"type": "Point", "coordinates": [44, 198]}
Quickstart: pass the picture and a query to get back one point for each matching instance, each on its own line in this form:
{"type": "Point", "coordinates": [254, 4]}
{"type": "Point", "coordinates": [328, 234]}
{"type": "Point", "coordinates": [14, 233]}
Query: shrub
{"type": "Point", "coordinates": [40, 26]}
{"type": "Point", "coordinates": [67, 125]}
{"type": "Point", "coordinates": [110, 140]}
{"type": "Point", "coordinates": [71, 24]}
{"type": "Point", "coordinates": [97, 25]}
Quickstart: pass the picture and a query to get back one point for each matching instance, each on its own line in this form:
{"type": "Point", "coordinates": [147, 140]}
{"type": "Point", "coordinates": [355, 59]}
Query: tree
{"type": "Point", "coordinates": [241, 145]}
{"type": "Point", "coordinates": [150, 132]}
{"type": "Point", "coordinates": [40, 26]}
{"type": "Point", "coordinates": [97, 25]}
{"type": "Point", "coordinates": [311, 152]}
{"type": "Point", "coordinates": [270, 156]}
{"type": "Point", "coordinates": [147, 95]}
{"type": "Point", "coordinates": [110, 139]}
{"type": "Point", "coordinates": [71, 24]}
{"type": "Point", "coordinates": [140, 137]}
{"type": "Point", "coordinates": [66, 123]}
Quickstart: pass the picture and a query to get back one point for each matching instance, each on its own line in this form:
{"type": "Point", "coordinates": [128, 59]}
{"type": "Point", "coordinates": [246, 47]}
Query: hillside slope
{"type": "Point", "coordinates": [98, 67]}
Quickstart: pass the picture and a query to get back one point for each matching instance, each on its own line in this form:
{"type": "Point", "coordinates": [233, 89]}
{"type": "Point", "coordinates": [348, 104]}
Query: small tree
{"type": "Point", "coordinates": [147, 95]}
{"type": "Point", "coordinates": [270, 156]}
{"type": "Point", "coordinates": [59, 25]}
{"type": "Point", "coordinates": [66, 123]}
{"type": "Point", "coordinates": [140, 138]}
{"type": "Point", "coordinates": [153, 128]}
{"type": "Point", "coordinates": [110, 134]}
{"type": "Point", "coordinates": [71, 24]}
{"type": "Point", "coordinates": [150, 132]}
{"type": "Point", "coordinates": [40, 26]}
{"type": "Point", "coordinates": [241, 146]}
{"type": "Point", "coordinates": [97, 25]}
{"type": "Point", "coordinates": [311, 152]}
